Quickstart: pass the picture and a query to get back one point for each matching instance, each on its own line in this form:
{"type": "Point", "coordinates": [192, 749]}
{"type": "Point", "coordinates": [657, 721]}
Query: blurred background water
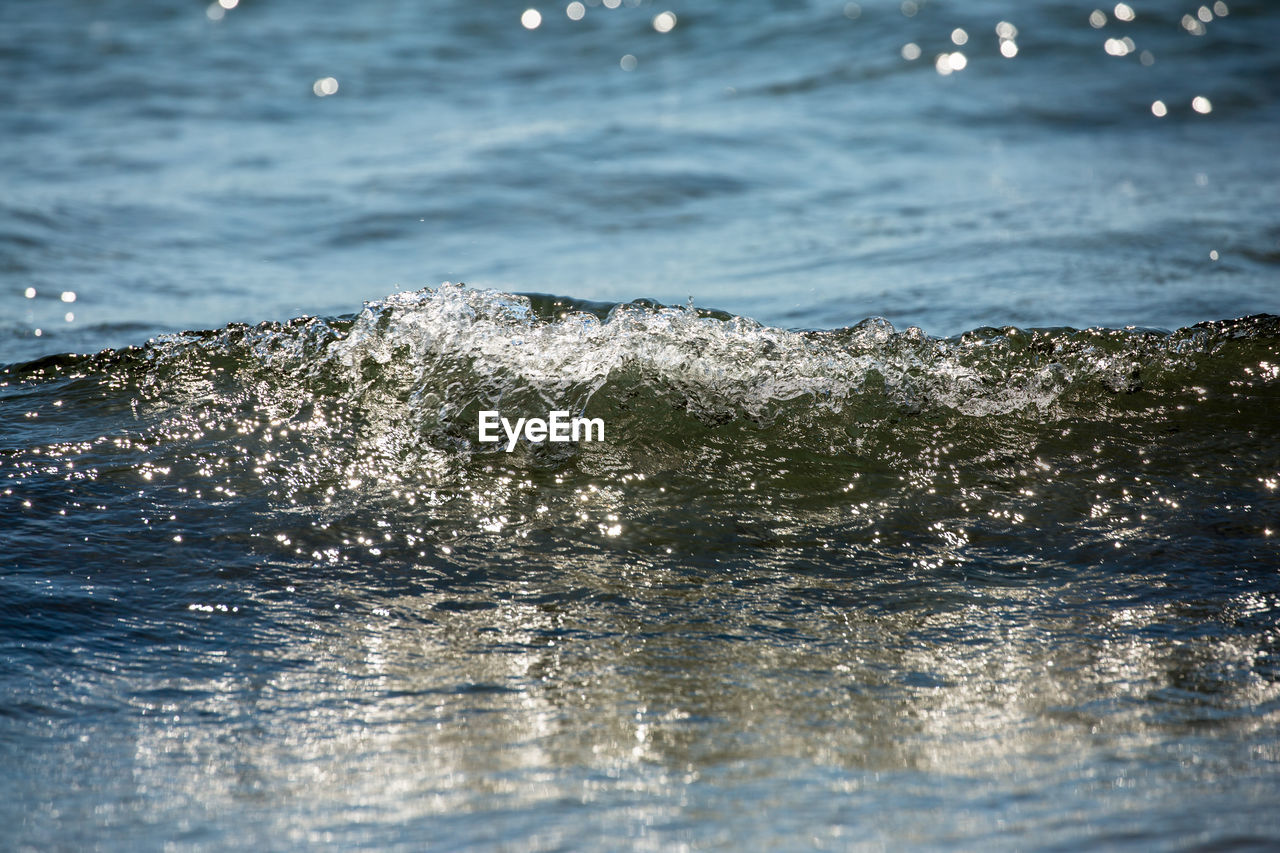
{"type": "Point", "coordinates": [843, 588]}
{"type": "Point", "coordinates": [172, 165]}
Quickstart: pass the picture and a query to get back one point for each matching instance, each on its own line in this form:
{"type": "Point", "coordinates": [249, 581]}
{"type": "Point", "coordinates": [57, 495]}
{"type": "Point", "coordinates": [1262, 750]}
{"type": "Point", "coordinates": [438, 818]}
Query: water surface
{"type": "Point", "coordinates": [938, 501]}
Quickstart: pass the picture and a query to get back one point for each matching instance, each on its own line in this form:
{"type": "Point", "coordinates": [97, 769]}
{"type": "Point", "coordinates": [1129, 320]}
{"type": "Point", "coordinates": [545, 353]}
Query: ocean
{"type": "Point", "coordinates": [936, 347]}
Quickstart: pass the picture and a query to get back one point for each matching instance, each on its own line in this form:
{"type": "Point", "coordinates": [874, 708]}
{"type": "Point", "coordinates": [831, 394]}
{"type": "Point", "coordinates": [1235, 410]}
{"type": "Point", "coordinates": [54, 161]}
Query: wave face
{"type": "Point", "coordinates": [828, 557]}
{"type": "Point", "coordinates": [1108, 438]}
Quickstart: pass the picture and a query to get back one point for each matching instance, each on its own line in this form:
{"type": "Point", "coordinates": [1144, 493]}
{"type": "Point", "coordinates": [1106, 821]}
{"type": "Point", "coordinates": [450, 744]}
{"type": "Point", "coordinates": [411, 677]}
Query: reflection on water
{"type": "Point", "coordinates": [637, 699]}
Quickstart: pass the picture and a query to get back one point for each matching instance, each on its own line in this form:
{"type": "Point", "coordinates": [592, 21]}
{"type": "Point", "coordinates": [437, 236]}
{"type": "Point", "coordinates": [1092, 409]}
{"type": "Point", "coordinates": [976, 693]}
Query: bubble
{"type": "Point", "coordinates": [1201, 104]}
{"type": "Point", "coordinates": [1006, 30]}
{"type": "Point", "coordinates": [909, 8]}
{"type": "Point", "coordinates": [627, 63]}
{"type": "Point", "coordinates": [959, 36]}
{"type": "Point", "coordinates": [1204, 14]}
{"type": "Point", "coordinates": [228, 4]}
{"type": "Point", "coordinates": [1097, 19]}
{"type": "Point", "coordinates": [68, 296]}
{"type": "Point", "coordinates": [575, 11]}
{"type": "Point", "coordinates": [911, 51]}
{"type": "Point", "coordinates": [531, 19]}
{"type": "Point", "coordinates": [1008, 49]}
{"type": "Point", "coordinates": [1158, 109]}
{"type": "Point", "coordinates": [30, 293]}
{"type": "Point", "coordinates": [325, 86]}
{"type": "Point", "coordinates": [1220, 9]}
{"type": "Point", "coordinates": [215, 12]}
{"type": "Point", "coordinates": [664, 22]}
{"type": "Point", "coordinates": [852, 11]}
{"type": "Point", "coordinates": [1124, 12]}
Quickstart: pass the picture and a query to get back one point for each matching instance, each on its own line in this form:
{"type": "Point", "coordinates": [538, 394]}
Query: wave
{"type": "Point", "coordinates": [431, 360]}
{"type": "Point", "coordinates": [835, 433]}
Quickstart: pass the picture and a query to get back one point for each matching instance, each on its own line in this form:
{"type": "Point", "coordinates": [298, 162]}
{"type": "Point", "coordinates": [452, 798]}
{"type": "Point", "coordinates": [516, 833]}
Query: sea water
{"type": "Point", "coordinates": [936, 350]}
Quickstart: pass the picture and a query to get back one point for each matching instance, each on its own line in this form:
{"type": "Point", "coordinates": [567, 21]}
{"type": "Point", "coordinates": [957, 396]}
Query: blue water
{"type": "Point", "coordinates": [938, 506]}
